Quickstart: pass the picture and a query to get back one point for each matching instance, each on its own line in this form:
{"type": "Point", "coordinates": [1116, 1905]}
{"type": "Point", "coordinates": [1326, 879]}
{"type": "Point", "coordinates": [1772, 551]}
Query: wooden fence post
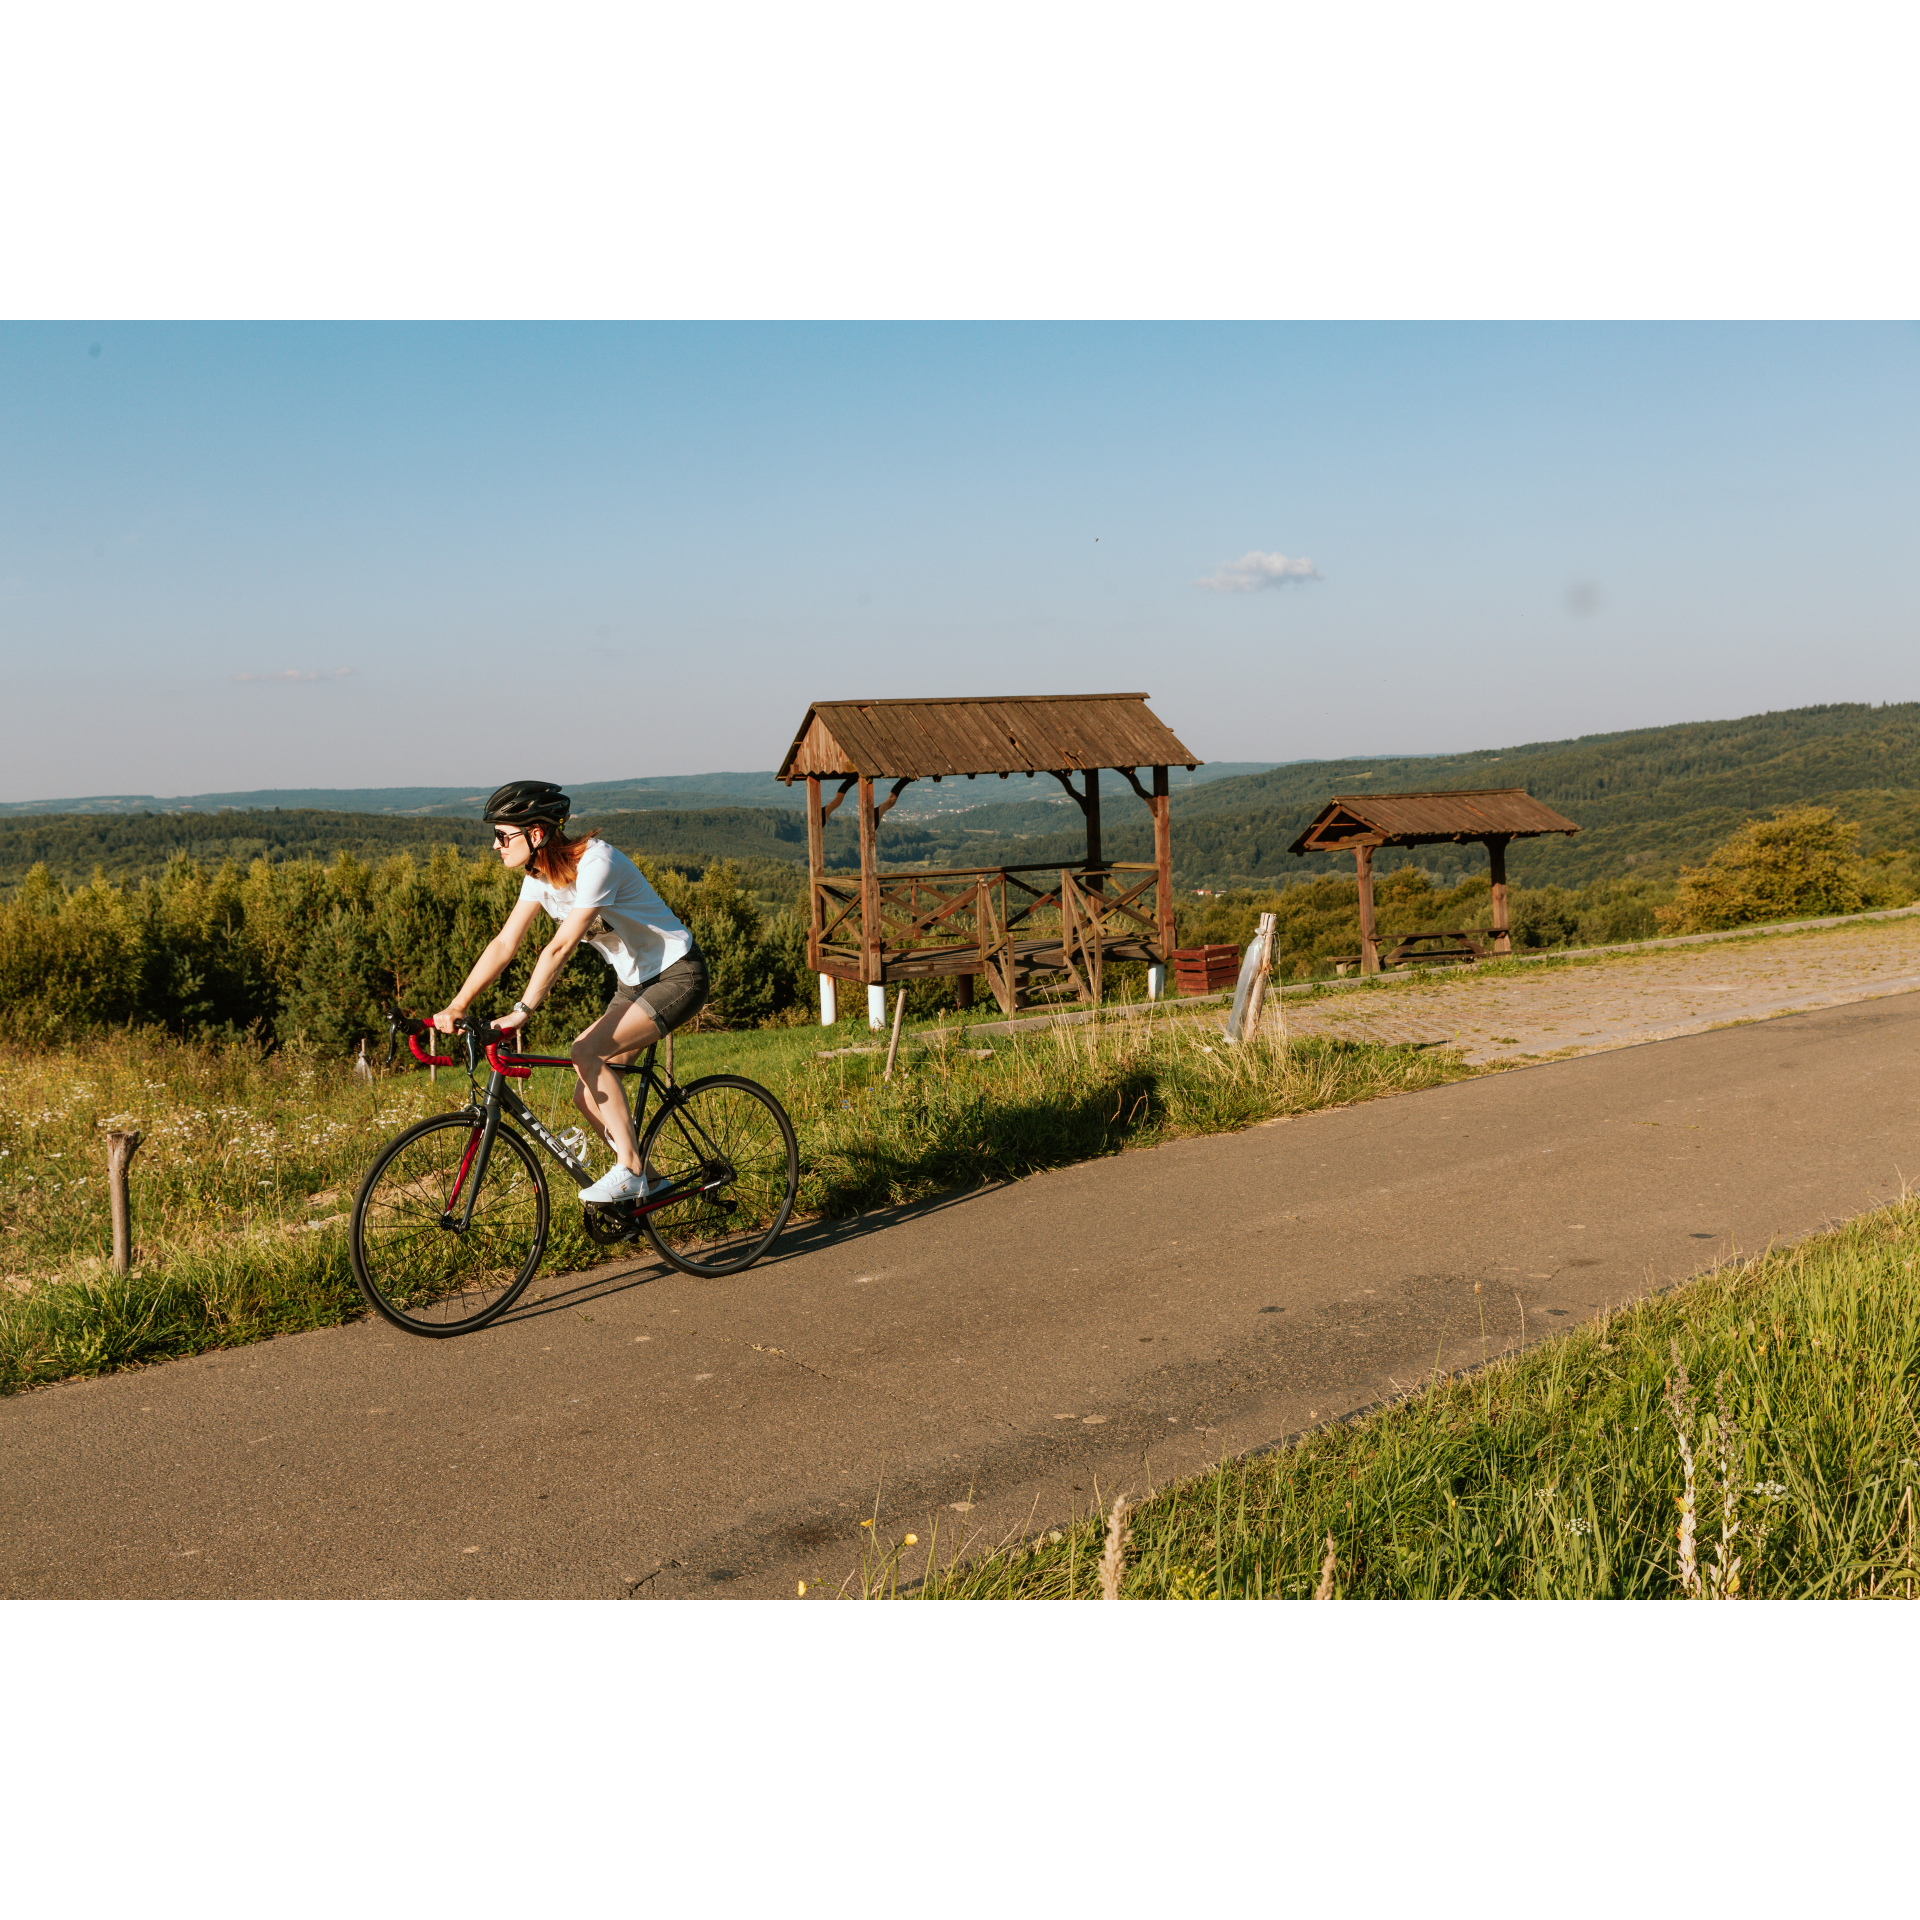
{"type": "Point", "coordinates": [121, 1148]}
{"type": "Point", "coordinates": [899, 1014]}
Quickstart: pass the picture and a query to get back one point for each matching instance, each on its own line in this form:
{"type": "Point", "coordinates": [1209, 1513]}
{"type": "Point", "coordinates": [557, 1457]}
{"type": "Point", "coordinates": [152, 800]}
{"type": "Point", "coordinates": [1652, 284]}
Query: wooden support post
{"type": "Point", "coordinates": [1093, 903]}
{"type": "Point", "coordinates": [1369, 946]}
{"type": "Point", "coordinates": [869, 885]}
{"type": "Point", "coordinates": [899, 1014]}
{"type": "Point", "coordinates": [1163, 860]}
{"type": "Point", "coordinates": [121, 1148]}
{"type": "Point", "coordinates": [816, 871]}
{"type": "Point", "coordinates": [963, 992]}
{"type": "Point", "coordinates": [1497, 863]}
{"type": "Point", "coordinates": [997, 965]}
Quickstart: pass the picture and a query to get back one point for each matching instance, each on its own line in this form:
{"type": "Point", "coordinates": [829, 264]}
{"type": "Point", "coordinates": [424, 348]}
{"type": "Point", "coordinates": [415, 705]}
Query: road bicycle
{"type": "Point", "coordinates": [451, 1220]}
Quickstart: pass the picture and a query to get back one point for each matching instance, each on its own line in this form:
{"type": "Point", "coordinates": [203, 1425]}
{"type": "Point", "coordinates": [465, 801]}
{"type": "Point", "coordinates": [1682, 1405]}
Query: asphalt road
{"type": "Point", "coordinates": [991, 1363]}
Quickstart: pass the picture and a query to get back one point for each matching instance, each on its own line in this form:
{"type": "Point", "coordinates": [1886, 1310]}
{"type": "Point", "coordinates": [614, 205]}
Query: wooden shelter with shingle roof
{"type": "Point", "coordinates": [1008, 923]}
{"type": "Point", "coordinates": [1360, 822]}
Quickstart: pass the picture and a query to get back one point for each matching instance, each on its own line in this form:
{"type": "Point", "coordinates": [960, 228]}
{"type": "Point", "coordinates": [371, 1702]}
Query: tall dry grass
{"type": "Point", "coordinates": [1583, 1469]}
{"type": "Point", "coordinates": [242, 1191]}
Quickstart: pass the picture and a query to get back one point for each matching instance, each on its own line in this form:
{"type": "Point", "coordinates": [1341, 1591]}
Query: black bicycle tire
{"type": "Point", "coordinates": [505, 1139]}
{"type": "Point", "coordinates": [738, 1262]}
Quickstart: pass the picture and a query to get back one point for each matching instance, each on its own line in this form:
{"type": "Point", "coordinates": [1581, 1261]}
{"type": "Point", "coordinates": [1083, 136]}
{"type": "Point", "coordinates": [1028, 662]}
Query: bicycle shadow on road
{"type": "Point", "coordinates": [813, 1236]}
{"type": "Point", "coordinates": [810, 1236]}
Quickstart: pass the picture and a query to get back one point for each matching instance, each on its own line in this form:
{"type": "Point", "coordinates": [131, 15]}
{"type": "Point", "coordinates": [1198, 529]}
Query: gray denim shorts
{"type": "Point", "coordinates": [672, 997]}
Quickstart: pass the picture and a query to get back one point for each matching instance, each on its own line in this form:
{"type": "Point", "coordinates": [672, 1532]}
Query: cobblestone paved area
{"type": "Point", "coordinates": [1621, 1000]}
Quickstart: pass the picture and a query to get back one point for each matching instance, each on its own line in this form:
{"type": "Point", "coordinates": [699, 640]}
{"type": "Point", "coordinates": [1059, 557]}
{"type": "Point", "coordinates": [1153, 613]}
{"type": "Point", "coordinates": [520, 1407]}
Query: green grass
{"type": "Point", "coordinates": [1558, 1474]}
{"type": "Point", "coordinates": [242, 1190]}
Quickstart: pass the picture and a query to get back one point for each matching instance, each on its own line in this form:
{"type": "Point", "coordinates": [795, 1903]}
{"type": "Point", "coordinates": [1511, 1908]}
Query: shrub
{"type": "Point", "coordinates": [1803, 861]}
{"type": "Point", "coordinates": [66, 962]}
{"type": "Point", "coordinates": [300, 949]}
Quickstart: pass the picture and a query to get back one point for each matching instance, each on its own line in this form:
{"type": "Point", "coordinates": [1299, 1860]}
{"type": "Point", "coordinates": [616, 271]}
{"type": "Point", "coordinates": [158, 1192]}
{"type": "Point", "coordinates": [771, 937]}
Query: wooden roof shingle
{"type": "Point", "coordinates": [1035, 733]}
{"type": "Point", "coordinates": [1421, 819]}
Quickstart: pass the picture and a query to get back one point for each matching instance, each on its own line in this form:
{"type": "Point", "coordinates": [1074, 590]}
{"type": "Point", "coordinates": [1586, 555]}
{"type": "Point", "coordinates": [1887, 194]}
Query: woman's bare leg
{"type": "Point", "coordinates": [618, 1034]}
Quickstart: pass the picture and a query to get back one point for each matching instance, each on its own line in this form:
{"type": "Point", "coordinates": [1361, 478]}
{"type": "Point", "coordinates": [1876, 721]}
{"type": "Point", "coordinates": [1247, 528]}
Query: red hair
{"type": "Point", "coordinates": [558, 860]}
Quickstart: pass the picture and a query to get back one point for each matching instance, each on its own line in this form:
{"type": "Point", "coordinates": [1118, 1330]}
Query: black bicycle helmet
{"type": "Point", "coordinates": [527, 803]}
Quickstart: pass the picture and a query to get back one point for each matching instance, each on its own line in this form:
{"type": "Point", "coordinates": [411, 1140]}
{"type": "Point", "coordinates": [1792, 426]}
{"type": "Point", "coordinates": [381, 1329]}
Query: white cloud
{"type": "Point", "coordinates": [1255, 570]}
{"type": "Point", "coordinates": [293, 673]}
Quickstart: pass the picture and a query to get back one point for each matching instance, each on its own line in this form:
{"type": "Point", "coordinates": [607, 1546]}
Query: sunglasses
{"type": "Point", "coordinates": [505, 836]}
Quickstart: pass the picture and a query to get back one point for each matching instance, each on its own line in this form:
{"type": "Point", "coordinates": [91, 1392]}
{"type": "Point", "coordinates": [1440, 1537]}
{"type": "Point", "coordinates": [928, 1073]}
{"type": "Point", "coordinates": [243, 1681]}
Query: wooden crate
{"type": "Point", "coordinates": [1205, 969]}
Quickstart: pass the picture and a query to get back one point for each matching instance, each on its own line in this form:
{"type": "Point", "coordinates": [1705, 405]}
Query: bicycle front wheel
{"type": "Point", "coordinates": [417, 1257]}
{"type": "Point", "coordinates": [729, 1142]}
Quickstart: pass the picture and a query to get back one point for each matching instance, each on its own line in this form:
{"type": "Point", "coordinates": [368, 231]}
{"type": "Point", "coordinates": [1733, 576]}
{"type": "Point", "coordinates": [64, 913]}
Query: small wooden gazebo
{"type": "Point", "coordinates": [1009, 923]}
{"type": "Point", "coordinates": [1360, 822]}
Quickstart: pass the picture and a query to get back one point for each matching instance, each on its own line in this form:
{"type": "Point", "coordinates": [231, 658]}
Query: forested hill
{"type": "Point", "coordinates": [430, 803]}
{"type": "Point", "coordinates": [1651, 798]}
{"type": "Point", "coordinates": [135, 846]}
{"type": "Point", "coordinates": [1647, 802]}
{"type": "Point", "coordinates": [1765, 760]}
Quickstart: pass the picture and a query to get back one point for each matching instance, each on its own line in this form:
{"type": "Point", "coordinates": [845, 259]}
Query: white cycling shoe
{"type": "Point", "coordinates": [615, 1185]}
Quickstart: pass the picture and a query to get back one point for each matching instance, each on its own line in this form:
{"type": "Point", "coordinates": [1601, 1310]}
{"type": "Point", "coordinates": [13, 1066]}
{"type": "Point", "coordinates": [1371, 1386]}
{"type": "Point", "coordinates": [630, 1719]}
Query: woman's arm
{"type": "Point", "coordinates": [553, 956]}
{"type": "Point", "coordinates": [495, 957]}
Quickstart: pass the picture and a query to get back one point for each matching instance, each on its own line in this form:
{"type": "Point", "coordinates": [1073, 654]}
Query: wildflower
{"type": "Point", "coordinates": [913, 1540]}
{"type": "Point", "coordinates": [803, 1589]}
{"type": "Point", "coordinates": [866, 1523]}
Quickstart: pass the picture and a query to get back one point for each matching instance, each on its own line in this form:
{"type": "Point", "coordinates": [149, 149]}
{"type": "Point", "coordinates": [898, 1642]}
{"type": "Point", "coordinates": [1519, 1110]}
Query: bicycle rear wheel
{"type": "Point", "coordinates": [414, 1261]}
{"type": "Point", "coordinates": [729, 1141]}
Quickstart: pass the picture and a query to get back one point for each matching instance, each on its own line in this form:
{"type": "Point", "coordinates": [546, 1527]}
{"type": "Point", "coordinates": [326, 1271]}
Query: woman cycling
{"type": "Point", "coordinates": [598, 895]}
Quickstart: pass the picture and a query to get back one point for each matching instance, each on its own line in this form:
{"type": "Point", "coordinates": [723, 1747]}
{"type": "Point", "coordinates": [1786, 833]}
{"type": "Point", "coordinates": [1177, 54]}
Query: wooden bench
{"type": "Point", "coordinates": [1458, 943]}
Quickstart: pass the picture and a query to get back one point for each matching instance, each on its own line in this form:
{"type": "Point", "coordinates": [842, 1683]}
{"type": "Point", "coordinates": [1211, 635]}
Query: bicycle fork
{"type": "Point", "coordinates": [473, 1169]}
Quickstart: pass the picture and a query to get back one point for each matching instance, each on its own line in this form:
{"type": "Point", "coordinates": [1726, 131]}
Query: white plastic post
{"type": "Point", "coordinates": [877, 1009]}
{"type": "Point", "coordinates": [1243, 1021]}
{"type": "Point", "coordinates": [829, 1002]}
{"type": "Point", "coordinates": [1156, 980]}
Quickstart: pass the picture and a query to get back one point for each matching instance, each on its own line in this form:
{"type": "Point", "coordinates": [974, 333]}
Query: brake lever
{"type": "Point", "coordinates": [480, 1035]}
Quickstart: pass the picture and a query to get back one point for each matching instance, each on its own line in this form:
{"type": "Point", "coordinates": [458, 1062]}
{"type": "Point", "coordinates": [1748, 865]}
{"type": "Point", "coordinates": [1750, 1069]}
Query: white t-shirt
{"type": "Point", "coordinates": [634, 930]}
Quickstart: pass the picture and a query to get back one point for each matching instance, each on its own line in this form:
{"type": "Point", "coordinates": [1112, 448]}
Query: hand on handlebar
{"type": "Point", "coordinates": [511, 1022]}
{"type": "Point", "coordinates": [445, 1021]}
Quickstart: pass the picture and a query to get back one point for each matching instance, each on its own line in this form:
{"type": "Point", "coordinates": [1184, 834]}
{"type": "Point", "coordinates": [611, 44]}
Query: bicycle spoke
{"type": "Point", "coordinates": [730, 1145]}
{"type": "Point", "coordinates": [415, 1257]}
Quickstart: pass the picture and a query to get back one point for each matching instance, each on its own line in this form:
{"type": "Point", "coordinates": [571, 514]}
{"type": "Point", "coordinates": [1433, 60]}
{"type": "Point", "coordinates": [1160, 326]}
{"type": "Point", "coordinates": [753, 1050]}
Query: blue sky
{"type": "Point", "coordinates": [592, 551]}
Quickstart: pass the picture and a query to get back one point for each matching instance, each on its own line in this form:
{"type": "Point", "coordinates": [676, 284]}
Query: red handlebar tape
{"type": "Point", "coordinates": [427, 1059]}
